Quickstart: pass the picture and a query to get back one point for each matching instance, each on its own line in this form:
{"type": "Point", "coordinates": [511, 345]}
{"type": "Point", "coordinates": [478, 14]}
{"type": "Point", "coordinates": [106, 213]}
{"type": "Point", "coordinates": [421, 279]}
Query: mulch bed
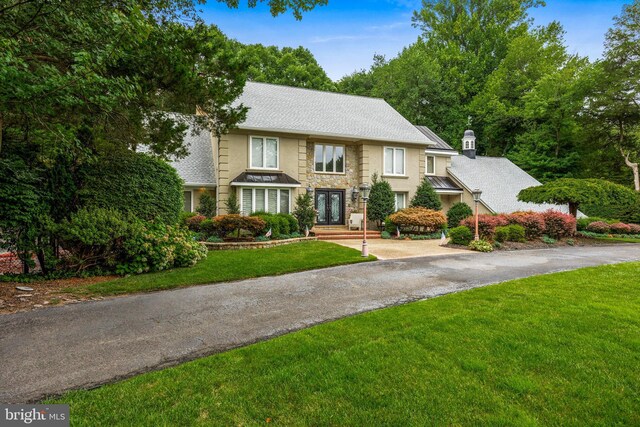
{"type": "Point", "coordinates": [45, 293]}
{"type": "Point", "coordinates": [539, 244]}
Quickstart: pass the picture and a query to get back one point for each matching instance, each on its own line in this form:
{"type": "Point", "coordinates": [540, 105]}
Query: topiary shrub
{"type": "Point", "coordinates": [381, 201]}
{"type": "Point", "coordinates": [480, 246]}
{"type": "Point", "coordinates": [458, 212]}
{"type": "Point", "coordinates": [304, 212]}
{"type": "Point", "coordinates": [419, 219]}
{"type": "Point", "coordinates": [426, 196]}
{"type": "Point", "coordinates": [486, 224]}
{"type": "Point", "coordinates": [620, 228]}
{"type": "Point", "coordinates": [532, 222]}
{"type": "Point", "coordinates": [600, 227]}
{"type": "Point", "coordinates": [460, 235]}
{"type": "Point", "coordinates": [207, 205]}
{"type": "Point", "coordinates": [135, 183]}
{"type": "Point", "coordinates": [558, 224]}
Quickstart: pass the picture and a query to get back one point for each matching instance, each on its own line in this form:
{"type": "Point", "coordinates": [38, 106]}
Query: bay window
{"type": "Point", "coordinates": [272, 200]}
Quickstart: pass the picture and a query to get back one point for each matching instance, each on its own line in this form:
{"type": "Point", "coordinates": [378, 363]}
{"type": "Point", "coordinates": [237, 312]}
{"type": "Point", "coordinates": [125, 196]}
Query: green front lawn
{"type": "Point", "coordinates": [223, 266]}
{"type": "Point", "coordinates": [560, 349]}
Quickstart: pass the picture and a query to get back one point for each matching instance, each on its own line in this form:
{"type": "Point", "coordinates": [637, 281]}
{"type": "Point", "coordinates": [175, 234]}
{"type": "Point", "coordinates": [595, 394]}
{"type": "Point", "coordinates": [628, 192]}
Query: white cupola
{"type": "Point", "coordinates": [469, 144]}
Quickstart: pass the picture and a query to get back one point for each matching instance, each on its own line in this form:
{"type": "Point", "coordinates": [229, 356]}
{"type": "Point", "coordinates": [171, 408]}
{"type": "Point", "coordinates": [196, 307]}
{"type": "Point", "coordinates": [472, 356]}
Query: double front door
{"type": "Point", "coordinates": [330, 206]}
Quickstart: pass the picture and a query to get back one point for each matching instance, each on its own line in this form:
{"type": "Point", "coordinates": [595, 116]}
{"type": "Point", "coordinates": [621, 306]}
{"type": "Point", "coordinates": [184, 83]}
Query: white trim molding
{"type": "Point", "coordinates": [260, 184]}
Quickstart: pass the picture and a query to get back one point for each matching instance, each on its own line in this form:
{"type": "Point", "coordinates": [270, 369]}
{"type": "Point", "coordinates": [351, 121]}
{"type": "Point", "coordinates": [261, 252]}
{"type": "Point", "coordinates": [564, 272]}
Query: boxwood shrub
{"type": "Point", "coordinates": [460, 235]}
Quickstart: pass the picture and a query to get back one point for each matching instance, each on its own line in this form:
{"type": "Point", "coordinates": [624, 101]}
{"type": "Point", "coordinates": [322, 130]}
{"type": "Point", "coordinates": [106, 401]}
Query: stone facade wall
{"type": "Point", "coordinates": [340, 181]}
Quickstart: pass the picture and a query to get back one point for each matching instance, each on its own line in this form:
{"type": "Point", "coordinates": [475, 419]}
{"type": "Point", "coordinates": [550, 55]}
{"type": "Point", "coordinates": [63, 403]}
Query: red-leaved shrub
{"type": "Point", "coordinates": [620, 228]}
{"type": "Point", "coordinates": [600, 227]}
{"type": "Point", "coordinates": [558, 224]}
{"type": "Point", "coordinates": [634, 228]}
{"type": "Point", "coordinates": [486, 224]}
{"type": "Point", "coordinates": [533, 223]}
{"type": "Point", "coordinates": [193, 223]}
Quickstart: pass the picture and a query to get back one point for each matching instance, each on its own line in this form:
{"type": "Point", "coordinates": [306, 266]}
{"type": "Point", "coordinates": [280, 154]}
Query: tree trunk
{"type": "Point", "coordinates": [573, 209]}
{"type": "Point", "coordinates": [634, 168]}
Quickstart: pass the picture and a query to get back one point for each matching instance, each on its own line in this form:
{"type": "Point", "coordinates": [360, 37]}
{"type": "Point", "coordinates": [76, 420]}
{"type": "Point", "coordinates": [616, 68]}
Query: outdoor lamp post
{"type": "Point", "coordinates": [364, 191]}
{"type": "Point", "coordinates": [476, 198]}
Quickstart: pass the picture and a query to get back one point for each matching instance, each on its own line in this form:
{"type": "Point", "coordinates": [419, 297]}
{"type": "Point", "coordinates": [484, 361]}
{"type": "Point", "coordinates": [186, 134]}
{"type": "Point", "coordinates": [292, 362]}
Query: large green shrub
{"type": "Point", "coordinates": [113, 241]}
{"type": "Point", "coordinates": [156, 247]}
{"type": "Point", "coordinates": [460, 235]}
{"type": "Point", "coordinates": [381, 200]}
{"type": "Point", "coordinates": [94, 237]}
{"type": "Point", "coordinates": [304, 212]}
{"type": "Point", "coordinates": [227, 225]}
{"type": "Point", "coordinates": [426, 196]}
{"type": "Point", "coordinates": [458, 212]}
{"type": "Point", "coordinates": [134, 183]}
{"type": "Point", "coordinates": [279, 224]}
{"type": "Point", "coordinates": [510, 233]}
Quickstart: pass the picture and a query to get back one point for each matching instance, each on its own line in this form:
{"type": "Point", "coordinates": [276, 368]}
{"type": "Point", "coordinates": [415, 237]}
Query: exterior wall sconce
{"type": "Point", "coordinates": [309, 190]}
{"type": "Point", "coordinates": [355, 193]}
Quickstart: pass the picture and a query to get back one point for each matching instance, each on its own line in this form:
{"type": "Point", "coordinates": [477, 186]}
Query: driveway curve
{"type": "Point", "coordinates": [48, 351]}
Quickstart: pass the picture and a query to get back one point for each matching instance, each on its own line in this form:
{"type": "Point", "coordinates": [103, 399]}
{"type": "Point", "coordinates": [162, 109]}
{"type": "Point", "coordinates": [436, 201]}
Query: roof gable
{"type": "Point", "coordinates": [311, 112]}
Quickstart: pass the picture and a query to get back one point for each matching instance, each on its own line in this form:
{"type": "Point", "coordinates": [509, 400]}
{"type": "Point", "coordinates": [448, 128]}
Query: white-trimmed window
{"type": "Point", "coordinates": [329, 158]}
{"type": "Point", "coordinates": [187, 198]}
{"type": "Point", "coordinates": [272, 200]}
{"type": "Point", "coordinates": [401, 200]}
{"type": "Point", "coordinates": [431, 165]}
{"type": "Point", "coordinates": [394, 161]}
{"type": "Point", "coordinates": [263, 152]}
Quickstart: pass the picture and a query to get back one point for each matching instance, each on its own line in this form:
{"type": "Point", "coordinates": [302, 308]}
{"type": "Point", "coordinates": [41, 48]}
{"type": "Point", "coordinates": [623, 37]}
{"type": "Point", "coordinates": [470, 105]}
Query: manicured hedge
{"type": "Point", "coordinates": [134, 183]}
{"type": "Point", "coordinates": [419, 219]}
{"type": "Point", "coordinates": [460, 235]}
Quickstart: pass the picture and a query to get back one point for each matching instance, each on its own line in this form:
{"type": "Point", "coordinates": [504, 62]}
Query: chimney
{"type": "Point", "coordinates": [469, 144]}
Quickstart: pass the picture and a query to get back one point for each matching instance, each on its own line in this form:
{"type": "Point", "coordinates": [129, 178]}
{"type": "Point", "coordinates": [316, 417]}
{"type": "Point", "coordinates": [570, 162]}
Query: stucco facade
{"type": "Point", "coordinates": [296, 159]}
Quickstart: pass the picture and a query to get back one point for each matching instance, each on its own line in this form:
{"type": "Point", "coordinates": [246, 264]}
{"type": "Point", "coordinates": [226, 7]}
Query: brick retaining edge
{"type": "Point", "coordinates": [253, 245]}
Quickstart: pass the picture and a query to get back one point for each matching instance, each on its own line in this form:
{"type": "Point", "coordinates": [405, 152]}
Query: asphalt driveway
{"type": "Point", "coordinates": [51, 350]}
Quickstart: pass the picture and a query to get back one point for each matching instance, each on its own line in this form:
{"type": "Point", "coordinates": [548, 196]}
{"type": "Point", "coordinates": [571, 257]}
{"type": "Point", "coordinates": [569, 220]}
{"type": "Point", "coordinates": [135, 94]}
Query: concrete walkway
{"type": "Point", "coordinates": [51, 350]}
{"type": "Point", "coordinates": [399, 249]}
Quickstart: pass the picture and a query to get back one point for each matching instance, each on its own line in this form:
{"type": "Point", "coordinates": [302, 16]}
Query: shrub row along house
{"type": "Point", "coordinates": [299, 140]}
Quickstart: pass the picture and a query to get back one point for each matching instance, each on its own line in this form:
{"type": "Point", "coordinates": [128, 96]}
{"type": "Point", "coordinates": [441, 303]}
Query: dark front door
{"type": "Point", "coordinates": [330, 206]}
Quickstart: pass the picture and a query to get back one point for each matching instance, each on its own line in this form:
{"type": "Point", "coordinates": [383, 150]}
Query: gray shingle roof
{"type": "Point", "coordinates": [440, 143]}
{"type": "Point", "coordinates": [197, 169]}
{"type": "Point", "coordinates": [500, 181]}
{"type": "Point", "coordinates": [312, 112]}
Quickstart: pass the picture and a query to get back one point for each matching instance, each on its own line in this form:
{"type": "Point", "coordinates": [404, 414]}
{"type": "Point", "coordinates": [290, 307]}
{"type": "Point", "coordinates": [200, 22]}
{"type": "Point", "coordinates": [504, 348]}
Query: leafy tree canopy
{"type": "Point", "coordinates": [287, 66]}
{"type": "Point", "coordinates": [575, 192]}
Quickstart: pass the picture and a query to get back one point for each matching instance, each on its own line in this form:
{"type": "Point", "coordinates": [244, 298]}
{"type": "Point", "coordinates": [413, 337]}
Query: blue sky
{"type": "Point", "coordinates": [345, 35]}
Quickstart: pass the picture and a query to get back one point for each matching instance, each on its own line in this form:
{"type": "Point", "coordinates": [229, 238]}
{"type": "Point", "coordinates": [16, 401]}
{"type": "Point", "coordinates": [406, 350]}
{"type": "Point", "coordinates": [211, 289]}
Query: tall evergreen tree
{"type": "Point", "coordinates": [381, 202]}
{"type": "Point", "coordinates": [426, 196]}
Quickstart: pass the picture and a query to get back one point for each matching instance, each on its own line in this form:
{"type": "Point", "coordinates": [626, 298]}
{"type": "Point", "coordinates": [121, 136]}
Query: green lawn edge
{"type": "Point", "coordinates": [231, 265]}
{"type": "Point", "coordinates": [555, 349]}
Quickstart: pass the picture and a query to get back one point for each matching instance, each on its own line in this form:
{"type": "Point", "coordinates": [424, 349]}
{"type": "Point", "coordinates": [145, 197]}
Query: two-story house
{"type": "Point", "coordinates": [299, 140]}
